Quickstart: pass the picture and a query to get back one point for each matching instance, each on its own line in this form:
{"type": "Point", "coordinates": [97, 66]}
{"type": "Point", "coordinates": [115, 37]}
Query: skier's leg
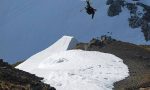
{"type": "Point", "coordinates": [93, 15]}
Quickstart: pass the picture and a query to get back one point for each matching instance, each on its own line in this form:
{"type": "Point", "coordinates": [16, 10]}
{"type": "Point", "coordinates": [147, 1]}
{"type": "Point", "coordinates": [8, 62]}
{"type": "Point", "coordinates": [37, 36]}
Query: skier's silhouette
{"type": "Point", "coordinates": [90, 10]}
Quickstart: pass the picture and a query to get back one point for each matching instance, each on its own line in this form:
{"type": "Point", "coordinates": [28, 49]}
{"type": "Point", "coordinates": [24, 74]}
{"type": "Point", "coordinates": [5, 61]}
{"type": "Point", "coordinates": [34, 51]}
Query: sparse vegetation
{"type": "Point", "coordinates": [147, 47]}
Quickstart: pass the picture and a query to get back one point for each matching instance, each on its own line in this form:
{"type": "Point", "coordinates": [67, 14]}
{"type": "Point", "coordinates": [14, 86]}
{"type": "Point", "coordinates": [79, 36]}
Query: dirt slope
{"type": "Point", "coordinates": [136, 57]}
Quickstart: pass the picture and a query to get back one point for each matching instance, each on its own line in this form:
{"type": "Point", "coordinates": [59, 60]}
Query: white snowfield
{"type": "Point", "coordinates": [75, 69]}
{"type": "Point", "coordinates": [63, 44]}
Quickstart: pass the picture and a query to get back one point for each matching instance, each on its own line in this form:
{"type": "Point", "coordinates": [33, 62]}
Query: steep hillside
{"type": "Point", "coordinates": [68, 69]}
{"type": "Point", "coordinates": [14, 79]}
{"type": "Point", "coordinates": [135, 57]}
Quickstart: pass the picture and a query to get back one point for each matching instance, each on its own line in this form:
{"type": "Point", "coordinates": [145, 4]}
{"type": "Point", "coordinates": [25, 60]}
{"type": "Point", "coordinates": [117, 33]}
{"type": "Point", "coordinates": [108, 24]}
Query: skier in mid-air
{"type": "Point", "coordinates": [90, 10]}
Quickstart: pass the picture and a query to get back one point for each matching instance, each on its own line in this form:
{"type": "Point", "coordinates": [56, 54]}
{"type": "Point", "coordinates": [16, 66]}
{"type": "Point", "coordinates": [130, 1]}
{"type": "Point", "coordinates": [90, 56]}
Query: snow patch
{"type": "Point", "coordinates": [76, 69]}
{"type": "Point", "coordinates": [64, 43]}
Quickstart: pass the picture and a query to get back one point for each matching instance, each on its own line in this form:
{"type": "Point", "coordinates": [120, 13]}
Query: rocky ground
{"type": "Point", "coordinates": [14, 79]}
{"type": "Point", "coordinates": [136, 57]}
